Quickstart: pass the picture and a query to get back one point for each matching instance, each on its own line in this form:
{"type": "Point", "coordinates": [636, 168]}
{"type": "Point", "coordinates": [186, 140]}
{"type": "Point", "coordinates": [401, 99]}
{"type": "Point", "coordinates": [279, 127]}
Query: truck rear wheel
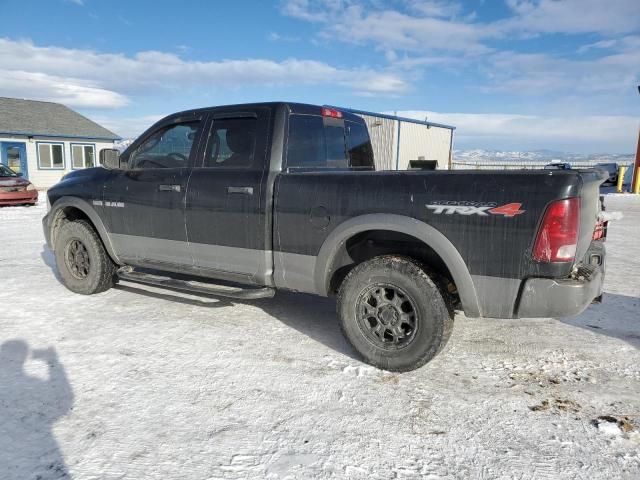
{"type": "Point", "coordinates": [83, 263]}
{"type": "Point", "coordinates": [393, 314]}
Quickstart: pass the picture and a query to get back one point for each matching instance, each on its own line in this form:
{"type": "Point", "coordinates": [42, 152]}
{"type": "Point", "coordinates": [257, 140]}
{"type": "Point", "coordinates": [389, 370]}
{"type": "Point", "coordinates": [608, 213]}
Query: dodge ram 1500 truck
{"type": "Point", "coordinates": [243, 200]}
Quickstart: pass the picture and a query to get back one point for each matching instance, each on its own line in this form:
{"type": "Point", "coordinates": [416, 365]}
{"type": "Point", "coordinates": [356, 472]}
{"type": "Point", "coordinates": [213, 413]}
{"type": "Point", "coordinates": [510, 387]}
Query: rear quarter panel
{"type": "Point", "coordinates": [491, 245]}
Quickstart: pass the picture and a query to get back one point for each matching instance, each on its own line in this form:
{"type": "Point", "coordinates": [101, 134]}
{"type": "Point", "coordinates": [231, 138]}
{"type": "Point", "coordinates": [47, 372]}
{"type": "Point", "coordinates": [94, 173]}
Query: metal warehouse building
{"type": "Point", "coordinates": [396, 140]}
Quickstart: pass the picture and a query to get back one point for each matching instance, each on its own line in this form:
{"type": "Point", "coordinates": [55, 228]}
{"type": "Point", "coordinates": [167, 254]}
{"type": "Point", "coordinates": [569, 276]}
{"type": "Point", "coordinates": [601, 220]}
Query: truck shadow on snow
{"type": "Point", "coordinates": [29, 406]}
{"type": "Point", "coordinates": [617, 316]}
{"type": "Point", "coordinates": [310, 315]}
{"type": "Point", "coordinates": [50, 261]}
{"type": "Point", "coordinates": [316, 317]}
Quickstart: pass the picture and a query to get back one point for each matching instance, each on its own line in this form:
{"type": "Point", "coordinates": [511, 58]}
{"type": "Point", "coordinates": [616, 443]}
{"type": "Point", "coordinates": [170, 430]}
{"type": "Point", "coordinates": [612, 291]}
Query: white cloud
{"type": "Point", "coordinates": [304, 9]}
{"type": "Point", "coordinates": [421, 25]}
{"type": "Point", "coordinates": [418, 33]}
{"type": "Point", "coordinates": [277, 37]}
{"type": "Point", "coordinates": [440, 24]}
{"type": "Point", "coordinates": [128, 127]}
{"type": "Point", "coordinates": [90, 78]}
{"type": "Point", "coordinates": [574, 16]}
{"type": "Point", "coordinates": [393, 29]}
{"type": "Point", "coordinates": [432, 8]}
{"type": "Point", "coordinates": [69, 91]}
{"type": "Point", "coordinates": [617, 71]}
{"type": "Point", "coordinates": [585, 133]}
{"type": "Point", "coordinates": [602, 44]}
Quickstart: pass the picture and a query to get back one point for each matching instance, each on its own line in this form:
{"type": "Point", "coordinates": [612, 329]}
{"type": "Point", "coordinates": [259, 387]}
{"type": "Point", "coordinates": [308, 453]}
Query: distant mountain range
{"type": "Point", "coordinates": [480, 155]}
{"type": "Point", "coordinates": [123, 144]}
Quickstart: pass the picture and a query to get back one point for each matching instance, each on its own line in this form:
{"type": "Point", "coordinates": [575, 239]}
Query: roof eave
{"type": "Point", "coordinates": [53, 135]}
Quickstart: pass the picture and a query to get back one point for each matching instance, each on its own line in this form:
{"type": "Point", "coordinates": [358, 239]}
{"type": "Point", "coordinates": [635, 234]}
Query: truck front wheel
{"type": "Point", "coordinates": [83, 263]}
{"type": "Point", "coordinates": [393, 314]}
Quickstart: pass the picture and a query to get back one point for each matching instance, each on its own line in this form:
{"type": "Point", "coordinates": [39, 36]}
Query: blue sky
{"type": "Point", "coordinates": [513, 74]}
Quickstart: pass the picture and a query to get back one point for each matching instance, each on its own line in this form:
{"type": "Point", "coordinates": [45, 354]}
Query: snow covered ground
{"type": "Point", "coordinates": [143, 383]}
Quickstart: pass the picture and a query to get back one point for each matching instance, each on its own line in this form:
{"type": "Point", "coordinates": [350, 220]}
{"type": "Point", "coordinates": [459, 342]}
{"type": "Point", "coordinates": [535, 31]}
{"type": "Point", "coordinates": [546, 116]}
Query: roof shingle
{"type": "Point", "coordinates": [31, 117]}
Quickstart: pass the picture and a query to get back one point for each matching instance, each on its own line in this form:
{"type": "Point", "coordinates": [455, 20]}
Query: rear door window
{"type": "Point", "coordinates": [232, 143]}
{"type": "Point", "coordinates": [320, 142]}
{"type": "Point", "coordinates": [335, 144]}
{"type": "Point", "coordinates": [310, 146]}
{"type": "Point", "coordinates": [359, 145]}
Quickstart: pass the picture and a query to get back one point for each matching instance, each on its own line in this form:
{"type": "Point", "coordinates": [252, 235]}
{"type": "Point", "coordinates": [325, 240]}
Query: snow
{"type": "Point", "coordinates": [609, 428]}
{"type": "Point", "coordinates": [144, 383]}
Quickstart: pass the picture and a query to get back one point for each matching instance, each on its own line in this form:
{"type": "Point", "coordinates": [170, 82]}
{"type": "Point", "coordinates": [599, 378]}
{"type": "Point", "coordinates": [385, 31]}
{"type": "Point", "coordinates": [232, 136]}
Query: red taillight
{"type": "Point", "coordinates": [331, 112]}
{"type": "Point", "coordinates": [557, 238]}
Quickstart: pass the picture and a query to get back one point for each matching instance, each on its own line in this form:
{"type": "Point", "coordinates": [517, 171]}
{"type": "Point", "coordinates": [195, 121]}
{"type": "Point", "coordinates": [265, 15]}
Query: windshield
{"type": "Point", "coordinates": [7, 172]}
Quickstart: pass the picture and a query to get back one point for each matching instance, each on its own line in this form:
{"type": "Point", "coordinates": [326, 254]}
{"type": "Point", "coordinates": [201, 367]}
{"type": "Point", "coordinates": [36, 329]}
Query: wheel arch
{"type": "Point", "coordinates": [73, 207]}
{"type": "Point", "coordinates": [333, 253]}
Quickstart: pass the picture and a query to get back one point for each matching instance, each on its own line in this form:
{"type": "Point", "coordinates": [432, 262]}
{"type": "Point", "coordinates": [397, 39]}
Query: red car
{"type": "Point", "coordinates": [15, 190]}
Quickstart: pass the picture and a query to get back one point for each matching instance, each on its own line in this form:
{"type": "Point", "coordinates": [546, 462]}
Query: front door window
{"type": "Point", "coordinates": [169, 147]}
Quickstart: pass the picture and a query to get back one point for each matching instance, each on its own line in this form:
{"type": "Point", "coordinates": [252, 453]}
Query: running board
{"type": "Point", "coordinates": [130, 275]}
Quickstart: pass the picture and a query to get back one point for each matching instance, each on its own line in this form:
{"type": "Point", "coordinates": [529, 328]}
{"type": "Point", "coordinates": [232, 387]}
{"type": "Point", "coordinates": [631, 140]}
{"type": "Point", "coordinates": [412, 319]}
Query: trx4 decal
{"type": "Point", "coordinates": [475, 208]}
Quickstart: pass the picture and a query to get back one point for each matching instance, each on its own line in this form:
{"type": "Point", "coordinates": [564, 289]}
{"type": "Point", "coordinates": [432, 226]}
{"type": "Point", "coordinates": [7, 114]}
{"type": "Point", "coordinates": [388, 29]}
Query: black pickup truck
{"type": "Point", "coordinates": [243, 200]}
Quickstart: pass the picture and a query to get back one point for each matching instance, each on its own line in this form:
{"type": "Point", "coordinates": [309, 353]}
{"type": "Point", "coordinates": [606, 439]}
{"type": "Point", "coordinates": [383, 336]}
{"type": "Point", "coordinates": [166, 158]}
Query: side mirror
{"type": "Point", "coordinates": [19, 174]}
{"type": "Point", "coordinates": [110, 158]}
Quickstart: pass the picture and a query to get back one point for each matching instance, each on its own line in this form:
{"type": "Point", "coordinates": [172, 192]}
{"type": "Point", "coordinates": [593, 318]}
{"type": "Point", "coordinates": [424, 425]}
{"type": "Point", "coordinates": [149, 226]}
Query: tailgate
{"type": "Point", "coordinates": [591, 180]}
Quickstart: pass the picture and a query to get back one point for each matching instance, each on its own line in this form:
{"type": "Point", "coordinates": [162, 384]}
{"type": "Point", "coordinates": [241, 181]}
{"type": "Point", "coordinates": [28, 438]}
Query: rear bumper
{"type": "Point", "coordinates": [18, 198]}
{"type": "Point", "coordinates": [546, 297]}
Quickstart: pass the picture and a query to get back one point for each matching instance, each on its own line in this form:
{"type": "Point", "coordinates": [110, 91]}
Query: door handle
{"type": "Point", "coordinates": [169, 188]}
{"type": "Point", "coordinates": [243, 190]}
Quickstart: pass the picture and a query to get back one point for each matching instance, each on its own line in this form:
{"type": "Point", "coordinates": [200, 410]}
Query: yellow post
{"type": "Point", "coordinates": [622, 169]}
{"type": "Point", "coordinates": [636, 184]}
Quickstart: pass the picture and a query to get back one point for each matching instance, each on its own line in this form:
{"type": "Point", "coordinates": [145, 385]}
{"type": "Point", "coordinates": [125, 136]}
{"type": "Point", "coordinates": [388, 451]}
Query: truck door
{"type": "Point", "coordinates": [226, 203]}
{"type": "Point", "coordinates": [145, 201]}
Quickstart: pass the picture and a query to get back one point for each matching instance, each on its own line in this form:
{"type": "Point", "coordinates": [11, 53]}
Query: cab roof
{"type": "Point", "coordinates": [293, 107]}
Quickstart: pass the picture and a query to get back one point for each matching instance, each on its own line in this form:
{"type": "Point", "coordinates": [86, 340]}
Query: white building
{"type": "Point", "coordinates": [397, 140]}
{"type": "Point", "coordinates": [44, 140]}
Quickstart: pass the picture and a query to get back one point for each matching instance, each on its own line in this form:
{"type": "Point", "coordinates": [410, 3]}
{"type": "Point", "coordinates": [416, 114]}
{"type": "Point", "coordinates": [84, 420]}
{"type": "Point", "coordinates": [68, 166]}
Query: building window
{"type": "Point", "coordinates": [51, 155]}
{"type": "Point", "coordinates": [82, 156]}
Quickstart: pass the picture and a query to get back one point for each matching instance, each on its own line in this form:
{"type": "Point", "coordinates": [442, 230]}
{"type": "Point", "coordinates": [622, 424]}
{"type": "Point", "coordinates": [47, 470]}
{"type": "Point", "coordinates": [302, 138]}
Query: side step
{"type": "Point", "coordinates": [131, 275]}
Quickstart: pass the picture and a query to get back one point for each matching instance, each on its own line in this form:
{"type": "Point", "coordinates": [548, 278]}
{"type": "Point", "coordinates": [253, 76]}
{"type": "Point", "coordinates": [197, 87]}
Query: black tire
{"type": "Point", "coordinates": [83, 263]}
{"type": "Point", "coordinates": [406, 325]}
